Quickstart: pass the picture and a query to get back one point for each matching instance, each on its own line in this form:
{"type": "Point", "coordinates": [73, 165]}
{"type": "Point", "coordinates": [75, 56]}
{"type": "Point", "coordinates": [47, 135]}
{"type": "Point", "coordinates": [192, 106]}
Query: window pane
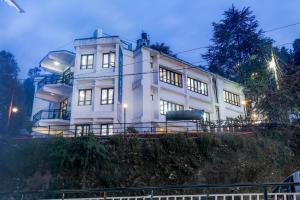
{"type": "Point", "coordinates": [111, 96]}
{"type": "Point", "coordinates": [104, 96]}
{"type": "Point", "coordinates": [83, 60]}
{"type": "Point", "coordinates": [88, 95]}
{"type": "Point", "coordinates": [105, 60]}
{"type": "Point", "coordinates": [110, 129]}
{"type": "Point", "coordinates": [112, 59]}
{"type": "Point", "coordinates": [90, 59]}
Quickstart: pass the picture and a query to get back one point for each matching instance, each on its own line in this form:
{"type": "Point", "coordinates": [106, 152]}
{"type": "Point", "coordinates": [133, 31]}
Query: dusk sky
{"type": "Point", "coordinates": [54, 24]}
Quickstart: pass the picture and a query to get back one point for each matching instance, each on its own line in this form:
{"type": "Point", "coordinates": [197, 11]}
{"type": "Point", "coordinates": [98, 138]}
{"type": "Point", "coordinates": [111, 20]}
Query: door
{"type": "Point", "coordinates": [63, 107]}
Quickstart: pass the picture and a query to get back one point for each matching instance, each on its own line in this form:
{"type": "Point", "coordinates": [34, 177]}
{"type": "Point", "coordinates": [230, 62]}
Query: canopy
{"type": "Point", "coordinates": [58, 61]}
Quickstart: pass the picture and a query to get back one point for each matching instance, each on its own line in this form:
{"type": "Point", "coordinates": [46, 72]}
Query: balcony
{"type": "Point", "coordinates": [52, 117]}
{"type": "Point", "coordinates": [55, 87]}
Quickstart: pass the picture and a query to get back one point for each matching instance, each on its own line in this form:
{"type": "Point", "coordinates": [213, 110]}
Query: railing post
{"type": "Point", "coordinates": [49, 130]}
{"type": "Point", "coordinates": [104, 196]}
{"type": "Point", "coordinates": [265, 193]}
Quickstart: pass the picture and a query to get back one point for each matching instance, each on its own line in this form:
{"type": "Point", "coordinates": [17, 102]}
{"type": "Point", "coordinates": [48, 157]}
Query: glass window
{"type": "Point", "coordinates": [107, 96]}
{"type": "Point", "coordinates": [106, 129]}
{"type": "Point", "coordinates": [87, 61]}
{"type": "Point", "coordinates": [170, 77]}
{"type": "Point", "coordinates": [85, 97]}
{"type": "Point", "coordinates": [231, 98]}
{"type": "Point", "coordinates": [109, 60]}
{"type": "Point", "coordinates": [166, 106]}
{"type": "Point", "coordinates": [112, 59]}
{"type": "Point", "coordinates": [82, 129]}
{"type": "Point", "coordinates": [197, 86]}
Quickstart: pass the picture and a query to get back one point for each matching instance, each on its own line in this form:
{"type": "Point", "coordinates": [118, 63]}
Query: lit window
{"type": "Point", "coordinates": [166, 106]}
{"type": "Point", "coordinates": [87, 61]}
{"type": "Point", "coordinates": [85, 97]}
{"type": "Point", "coordinates": [197, 86]}
{"type": "Point", "coordinates": [109, 60]}
{"type": "Point", "coordinates": [107, 96]}
{"type": "Point", "coordinates": [82, 129]}
{"type": "Point", "coordinates": [231, 98]}
{"type": "Point", "coordinates": [170, 77]}
{"type": "Point", "coordinates": [106, 129]}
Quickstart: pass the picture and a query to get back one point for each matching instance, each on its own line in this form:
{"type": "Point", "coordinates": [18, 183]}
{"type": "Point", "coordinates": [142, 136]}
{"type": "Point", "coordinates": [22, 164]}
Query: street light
{"type": "Point", "coordinates": [14, 109]}
{"type": "Point", "coordinates": [124, 112]}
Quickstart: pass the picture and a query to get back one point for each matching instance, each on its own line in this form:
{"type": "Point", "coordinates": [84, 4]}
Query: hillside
{"type": "Point", "coordinates": [89, 162]}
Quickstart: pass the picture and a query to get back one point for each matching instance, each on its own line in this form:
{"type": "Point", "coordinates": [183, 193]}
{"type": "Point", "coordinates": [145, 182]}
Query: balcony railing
{"type": "Point", "coordinates": [52, 114]}
{"type": "Point", "coordinates": [55, 79]}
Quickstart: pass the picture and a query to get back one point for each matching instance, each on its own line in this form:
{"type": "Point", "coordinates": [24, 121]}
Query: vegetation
{"type": "Point", "coordinates": [14, 93]}
{"type": "Point", "coordinates": [242, 53]}
{"type": "Point", "coordinates": [87, 162]}
{"type": "Point", "coordinates": [162, 47]}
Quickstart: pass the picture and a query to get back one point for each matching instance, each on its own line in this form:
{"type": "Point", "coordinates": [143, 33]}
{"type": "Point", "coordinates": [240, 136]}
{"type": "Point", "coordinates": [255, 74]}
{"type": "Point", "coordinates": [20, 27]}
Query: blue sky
{"type": "Point", "coordinates": [54, 24]}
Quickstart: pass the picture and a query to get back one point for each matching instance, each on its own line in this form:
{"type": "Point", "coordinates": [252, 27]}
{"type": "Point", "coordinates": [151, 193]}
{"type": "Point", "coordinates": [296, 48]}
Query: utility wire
{"type": "Point", "coordinates": [281, 27]}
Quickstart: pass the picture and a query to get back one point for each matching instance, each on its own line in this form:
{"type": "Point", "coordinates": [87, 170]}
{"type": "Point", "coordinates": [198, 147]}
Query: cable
{"type": "Point", "coordinates": [281, 27]}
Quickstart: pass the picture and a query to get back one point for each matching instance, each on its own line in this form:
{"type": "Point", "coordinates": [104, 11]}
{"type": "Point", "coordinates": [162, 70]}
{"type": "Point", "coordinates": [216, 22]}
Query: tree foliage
{"type": "Point", "coordinates": [9, 86]}
{"type": "Point", "coordinates": [236, 40]}
{"type": "Point", "coordinates": [162, 47]}
{"type": "Point", "coordinates": [242, 53]}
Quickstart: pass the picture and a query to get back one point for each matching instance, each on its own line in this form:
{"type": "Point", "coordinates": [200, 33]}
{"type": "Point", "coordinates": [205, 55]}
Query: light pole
{"type": "Point", "coordinates": [124, 113]}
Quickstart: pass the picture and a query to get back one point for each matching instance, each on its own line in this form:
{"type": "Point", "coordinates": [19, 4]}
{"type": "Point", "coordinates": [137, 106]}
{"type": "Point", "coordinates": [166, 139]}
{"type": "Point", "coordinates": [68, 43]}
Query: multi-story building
{"type": "Point", "coordinates": [106, 83]}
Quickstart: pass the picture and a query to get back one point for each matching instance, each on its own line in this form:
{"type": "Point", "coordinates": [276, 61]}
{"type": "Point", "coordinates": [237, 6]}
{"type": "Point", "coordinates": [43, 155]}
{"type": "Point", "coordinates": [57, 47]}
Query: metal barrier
{"type": "Point", "coordinates": [52, 114]}
{"type": "Point", "coordinates": [56, 79]}
{"type": "Point", "coordinates": [185, 192]}
{"type": "Point", "coordinates": [150, 128]}
{"type": "Point", "coordinates": [140, 128]}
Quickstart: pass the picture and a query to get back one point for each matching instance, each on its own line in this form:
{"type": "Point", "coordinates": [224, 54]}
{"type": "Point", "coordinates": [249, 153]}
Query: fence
{"type": "Point", "coordinates": [270, 191]}
{"type": "Point", "coordinates": [150, 128]}
{"type": "Point", "coordinates": [144, 128]}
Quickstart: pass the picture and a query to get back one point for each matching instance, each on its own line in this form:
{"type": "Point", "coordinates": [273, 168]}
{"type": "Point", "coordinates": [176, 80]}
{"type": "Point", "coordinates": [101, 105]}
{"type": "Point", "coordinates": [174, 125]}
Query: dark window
{"type": "Point", "coordinates": [85, 97]}
{"type": "Point", "coordinates": [166, 106]}
{"type": "Point", "coordinates": [82, 129]}
{"type": "Point", "coordinates": [109, 60]}
{"type": "Point", "coordinates": [231, 98]}
{"type": "Point", "coordinates": [170, 77]}
{"type": "Point", "coordinates": [107, 96]}
{"type": "Point", "coordinates": [197, 86]}
{"type": "Point", "coordinates": [106, 129]}
{"type": "Point", "coordinates": [87, 61]}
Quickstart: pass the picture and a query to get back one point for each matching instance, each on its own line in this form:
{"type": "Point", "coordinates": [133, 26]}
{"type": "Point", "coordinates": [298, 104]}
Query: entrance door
{"type": "Point", "coordinates": [63, 107]}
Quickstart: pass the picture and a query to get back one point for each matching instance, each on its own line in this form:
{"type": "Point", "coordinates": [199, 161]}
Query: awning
{"type": "Point", "coordinates": [58, 61]}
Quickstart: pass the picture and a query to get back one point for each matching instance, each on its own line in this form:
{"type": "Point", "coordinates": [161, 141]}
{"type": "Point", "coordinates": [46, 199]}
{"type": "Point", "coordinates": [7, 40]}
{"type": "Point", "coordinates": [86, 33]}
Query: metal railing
{"type": "Point", "coordinates": [52, 114]}
{"type": "Point", "coordinates": [155, 129]}
{"type": "Point", "coordinates": [265, 191]}
{"type": "Point", "coordinates": [56, 79]}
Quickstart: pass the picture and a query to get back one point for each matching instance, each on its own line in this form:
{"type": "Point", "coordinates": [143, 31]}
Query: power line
{"type": "Point", "coordinates": [281, 27]}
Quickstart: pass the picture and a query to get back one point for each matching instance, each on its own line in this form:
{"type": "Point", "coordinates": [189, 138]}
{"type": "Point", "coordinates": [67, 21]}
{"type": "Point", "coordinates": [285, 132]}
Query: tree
{"type": "Point", "coordinates": [9, 86]}
{"type": "Point", "coordinates": [236, 40]}
{"type": "Point", "coordinates": [162, 47]}
{"type": "Point", "coordinates": [242, 53]}
{"type": "Point", "coordinates": [29, 89]}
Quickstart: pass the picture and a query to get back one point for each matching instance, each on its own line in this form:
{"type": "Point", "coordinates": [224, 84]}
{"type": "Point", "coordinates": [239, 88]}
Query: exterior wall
{"type": "Point", "coordinates": [142, 90]}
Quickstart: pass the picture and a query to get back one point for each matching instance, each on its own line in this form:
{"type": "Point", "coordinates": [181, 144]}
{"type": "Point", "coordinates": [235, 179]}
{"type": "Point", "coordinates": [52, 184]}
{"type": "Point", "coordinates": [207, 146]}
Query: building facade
{"type": "Point", "coordinates": [106, 83]}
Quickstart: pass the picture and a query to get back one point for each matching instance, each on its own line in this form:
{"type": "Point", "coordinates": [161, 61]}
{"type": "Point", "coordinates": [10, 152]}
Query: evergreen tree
{"type": "Point", "coordinates": [9, 86]}
{"type": "Point", "coordinates": [236, 40]}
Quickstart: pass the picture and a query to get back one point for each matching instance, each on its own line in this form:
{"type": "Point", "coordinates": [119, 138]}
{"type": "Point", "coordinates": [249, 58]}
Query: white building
{"type": "Point", "coordinates": [87, 89]}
